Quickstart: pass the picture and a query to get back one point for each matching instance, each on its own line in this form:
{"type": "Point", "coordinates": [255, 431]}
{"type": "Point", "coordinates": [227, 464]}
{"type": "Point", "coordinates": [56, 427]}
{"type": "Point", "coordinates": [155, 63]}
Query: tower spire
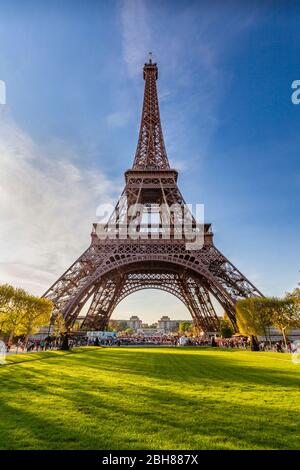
{"type": "Point", "coordinates": [151, 152]}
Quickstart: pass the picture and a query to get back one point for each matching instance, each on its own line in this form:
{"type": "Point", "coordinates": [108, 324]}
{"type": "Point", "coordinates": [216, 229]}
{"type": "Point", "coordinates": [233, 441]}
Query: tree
{"type": "Point", "coordinates": [13, 313]}
{"type": "Point", "coordinates": [226, 329]}
{"type": "Point", "coordinates": [36, 313]}
{"type": "Point", "coordinates": [295, 294]}
{"type": "Point", "coordinates": [6, 295]}
{"type": "Point", "coordinates": [22, 313]}
{"type": "Point", "coordinates": [253, 317]}
{"type": "Point", "coordinates": [76, 326]}
{"type": "Point", "coordinates": [59, 326]}
{"type": "Point", "coordinates": [185, 326]}
{"type": "Point", "coordinates": [195, 330]}
{"type": "Point", "coordinates": [285, 314]}
{"type": "Point", "coordinates": [129, 331]}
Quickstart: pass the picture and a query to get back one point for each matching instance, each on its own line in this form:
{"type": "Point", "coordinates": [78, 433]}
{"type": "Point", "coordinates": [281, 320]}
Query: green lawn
{"type": "Point", "coordinates": [150, 398]}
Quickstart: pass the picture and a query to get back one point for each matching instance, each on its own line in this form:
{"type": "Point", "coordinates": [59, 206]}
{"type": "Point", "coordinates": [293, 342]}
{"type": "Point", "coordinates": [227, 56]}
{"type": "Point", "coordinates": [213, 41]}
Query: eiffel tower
{"type": "Point", "coordinates": [127, 255]}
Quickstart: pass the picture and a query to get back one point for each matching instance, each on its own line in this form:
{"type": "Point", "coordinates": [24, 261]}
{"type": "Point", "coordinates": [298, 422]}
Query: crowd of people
{"type": "Point", "coordinates": [77, 340]}
{"type": "Point", "coordinates": [32, 345]}
{"type": "Point", "coordinates": [240, 342]}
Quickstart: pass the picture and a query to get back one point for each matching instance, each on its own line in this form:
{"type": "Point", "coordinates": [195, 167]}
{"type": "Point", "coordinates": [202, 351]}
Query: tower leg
{"type": "Point", "coordinates": [103, 303]}
{"type": "Point", "coordinates": [199, 303]}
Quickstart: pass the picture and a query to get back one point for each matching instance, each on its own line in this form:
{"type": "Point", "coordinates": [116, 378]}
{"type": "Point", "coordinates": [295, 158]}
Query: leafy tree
{"type": "Point", "coordinates": [285, 314]}
{"type": "Point", "coordinates": [294, 294]}
{"type": "Point", "coordinates": [36, 313]}
{"type": "Point", "coordinates": [76, 326]}
{"type": "Point", "coordinates": [13, 313]}
{"type": "Point", "coordinates": [195, 330]}
{"type": "Point", "coordinates": [253, 317]}
{"type": "Point", "coordinates": [129, 331]}
{"type": "Point", "coordinates": [226, 329]}
{"type": "Point", "coordinates": [185, 326]}
{"type": "Point", "coordinates": [59, 326]}
{"type": "Point", "coordinates": [6, 295]}
{"type": "Point", "coordinates": [22, 313]}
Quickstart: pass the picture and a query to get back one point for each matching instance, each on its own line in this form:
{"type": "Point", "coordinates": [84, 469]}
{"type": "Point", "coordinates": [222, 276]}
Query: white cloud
{"type": "Point", "coordinates": [47, 206]}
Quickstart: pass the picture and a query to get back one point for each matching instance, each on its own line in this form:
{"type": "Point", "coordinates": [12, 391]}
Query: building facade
{"type": "Point", "coordinates": [166, 325]}
{"type": "Point", "coordinates": [135, 323]}
{"type": "Point", "coordinates": [163, 325]}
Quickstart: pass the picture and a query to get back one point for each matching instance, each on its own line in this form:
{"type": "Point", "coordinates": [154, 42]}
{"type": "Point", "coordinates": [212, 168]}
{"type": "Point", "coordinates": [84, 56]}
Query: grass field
{"type": "Point", "coordinates": [150, 398]}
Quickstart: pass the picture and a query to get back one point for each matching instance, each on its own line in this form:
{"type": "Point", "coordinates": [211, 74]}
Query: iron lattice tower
{"type": "Point", "coordinates": [113, 267]}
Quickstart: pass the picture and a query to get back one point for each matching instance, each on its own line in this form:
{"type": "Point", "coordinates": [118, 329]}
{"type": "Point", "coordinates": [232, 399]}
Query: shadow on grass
{"type": "Point", "coordinates": [124, 399]}
{"type": "Point", "coordinates": [193, 367]}
{"type": "Point", "coordinates": [169, 420]}
{"type": "Point", "coordinates": [41, 356]}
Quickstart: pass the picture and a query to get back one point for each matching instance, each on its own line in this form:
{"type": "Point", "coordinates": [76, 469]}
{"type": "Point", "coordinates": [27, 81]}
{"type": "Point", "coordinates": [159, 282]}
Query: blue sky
{"type": "Point", "coordinates": [73, 73]}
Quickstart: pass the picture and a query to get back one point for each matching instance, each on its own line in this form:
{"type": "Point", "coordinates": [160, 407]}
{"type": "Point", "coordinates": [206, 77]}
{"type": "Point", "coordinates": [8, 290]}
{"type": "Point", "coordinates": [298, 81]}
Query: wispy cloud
{"type": "Point", "coordinates": [47, 204]}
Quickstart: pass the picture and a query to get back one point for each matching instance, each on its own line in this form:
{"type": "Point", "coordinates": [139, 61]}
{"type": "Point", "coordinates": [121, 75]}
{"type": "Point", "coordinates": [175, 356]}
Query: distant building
{"type": "Point", "coordinates": [166, 325]}
{"type": "Point", "coordinates": [135, 323]}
